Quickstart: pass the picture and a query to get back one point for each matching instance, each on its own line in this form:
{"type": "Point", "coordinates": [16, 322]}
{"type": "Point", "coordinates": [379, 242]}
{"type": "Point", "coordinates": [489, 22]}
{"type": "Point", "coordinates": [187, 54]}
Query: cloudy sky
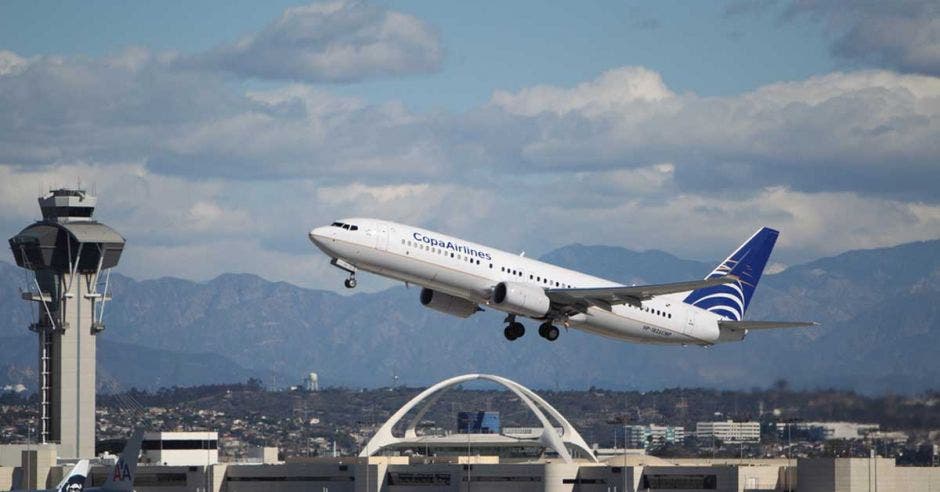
{"type": "Point", "coordinates": [218, 134]}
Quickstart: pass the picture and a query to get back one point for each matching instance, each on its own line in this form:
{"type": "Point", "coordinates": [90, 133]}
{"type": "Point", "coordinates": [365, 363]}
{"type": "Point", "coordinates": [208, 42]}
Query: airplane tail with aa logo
{"type": "Point", "coordinates": [121, 476]}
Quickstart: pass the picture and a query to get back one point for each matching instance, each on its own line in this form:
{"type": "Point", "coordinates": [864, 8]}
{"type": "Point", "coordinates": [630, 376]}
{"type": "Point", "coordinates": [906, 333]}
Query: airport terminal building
{"type": "Point", "coordinates": [630, 473]}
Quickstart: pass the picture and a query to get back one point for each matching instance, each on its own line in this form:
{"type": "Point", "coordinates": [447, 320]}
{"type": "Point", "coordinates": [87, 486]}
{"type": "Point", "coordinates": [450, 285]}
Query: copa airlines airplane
{"type": "Point", "coordinates": [458, 276]}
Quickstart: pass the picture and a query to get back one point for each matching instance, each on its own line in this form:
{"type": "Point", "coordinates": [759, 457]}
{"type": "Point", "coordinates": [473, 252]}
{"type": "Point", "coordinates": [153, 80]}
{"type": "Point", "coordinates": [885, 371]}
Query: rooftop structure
{"type": "Point", "coordinates": [180, 448]}
{"type": "Point", "coordinates": [568, 444]}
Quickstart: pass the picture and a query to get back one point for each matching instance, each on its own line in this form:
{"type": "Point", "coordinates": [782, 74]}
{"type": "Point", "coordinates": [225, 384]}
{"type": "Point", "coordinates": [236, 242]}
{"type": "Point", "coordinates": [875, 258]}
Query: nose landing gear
{"type": "Point", "coordinates": [345, 266]}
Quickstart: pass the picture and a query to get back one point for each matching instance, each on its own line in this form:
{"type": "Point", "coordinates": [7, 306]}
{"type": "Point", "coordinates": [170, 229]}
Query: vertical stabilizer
{"type": "Point", "coordinates": [121, 477]}
{"type": "Point", "coordinates": [747, 263]}
{"type": "Point", "coordinates": [75, 480]}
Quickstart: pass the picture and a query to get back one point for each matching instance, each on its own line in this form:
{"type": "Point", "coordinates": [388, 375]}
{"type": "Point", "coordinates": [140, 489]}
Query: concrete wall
{"type": "Point", "coordinates": [917, 479]}
{"type": "Point", "coordinates": [7, 474]}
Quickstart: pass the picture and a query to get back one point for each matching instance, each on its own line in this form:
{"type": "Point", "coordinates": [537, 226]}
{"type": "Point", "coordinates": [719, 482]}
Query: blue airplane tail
{"type": "Point", "coordinates": [747, 263]}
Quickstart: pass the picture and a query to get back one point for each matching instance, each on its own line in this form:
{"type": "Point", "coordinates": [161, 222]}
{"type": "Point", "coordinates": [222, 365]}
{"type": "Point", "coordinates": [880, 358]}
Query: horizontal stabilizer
{"type": "Point", "coordinates": [765, 325]}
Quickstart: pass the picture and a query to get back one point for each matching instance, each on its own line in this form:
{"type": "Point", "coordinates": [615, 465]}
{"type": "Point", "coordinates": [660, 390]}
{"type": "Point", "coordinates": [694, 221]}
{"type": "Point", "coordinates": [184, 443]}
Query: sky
{"type": "Point", "coordinates": [216, 134]}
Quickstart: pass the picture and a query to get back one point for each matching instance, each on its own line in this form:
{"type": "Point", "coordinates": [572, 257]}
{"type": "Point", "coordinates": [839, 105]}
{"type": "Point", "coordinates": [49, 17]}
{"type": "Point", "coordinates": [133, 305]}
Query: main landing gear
{"type": "Point", "coordinates": [514, 329]}
{"type": "Point", "coordinates": [549, 331]}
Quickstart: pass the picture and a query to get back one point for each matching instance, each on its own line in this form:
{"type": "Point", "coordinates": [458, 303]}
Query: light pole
{"type": "Point", "coordinates": [29, 438]}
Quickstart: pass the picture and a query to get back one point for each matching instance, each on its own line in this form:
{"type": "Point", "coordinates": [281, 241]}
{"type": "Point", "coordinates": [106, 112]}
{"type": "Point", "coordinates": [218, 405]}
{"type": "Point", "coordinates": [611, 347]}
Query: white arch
{"type": "Point", "coordinates": [550, 438]}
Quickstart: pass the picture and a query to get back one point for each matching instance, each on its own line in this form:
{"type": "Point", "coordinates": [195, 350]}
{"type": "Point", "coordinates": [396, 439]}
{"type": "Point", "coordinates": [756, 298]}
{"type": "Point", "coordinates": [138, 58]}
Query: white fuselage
{"type": "Point", "coordinates": [470, 271]}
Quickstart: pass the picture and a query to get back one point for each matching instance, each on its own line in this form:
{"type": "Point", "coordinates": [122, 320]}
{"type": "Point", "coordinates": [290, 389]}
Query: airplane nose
{"type": "Point", "coordinates": [318, 235]}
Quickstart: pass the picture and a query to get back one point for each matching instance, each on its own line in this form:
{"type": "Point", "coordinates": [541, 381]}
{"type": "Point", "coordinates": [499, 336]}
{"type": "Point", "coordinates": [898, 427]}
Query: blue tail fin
{"type": "Point", "coordinates": [747, 262]}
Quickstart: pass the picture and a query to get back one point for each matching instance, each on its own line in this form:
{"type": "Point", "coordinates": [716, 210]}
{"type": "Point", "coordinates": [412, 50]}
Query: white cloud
{"type": "Point", "coordinates": [336, 41]}
{"type": "Point", "coordinates": [842, 131]}
{"type": "Point", "coordinates": [11, 63]}
{"type": "Point", "coordinates": [615, 89]}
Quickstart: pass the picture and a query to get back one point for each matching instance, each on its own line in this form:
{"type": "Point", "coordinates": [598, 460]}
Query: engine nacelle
{"type": "Point", "coordinates": [527, 300]}
{"type": "Point", "coordinates": [447, 303]}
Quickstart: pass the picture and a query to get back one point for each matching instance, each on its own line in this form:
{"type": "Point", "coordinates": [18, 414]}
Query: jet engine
{"type": "Point", "coordinates": [447, 303]}
{"type": "Point", "coordinates": [524, 299]}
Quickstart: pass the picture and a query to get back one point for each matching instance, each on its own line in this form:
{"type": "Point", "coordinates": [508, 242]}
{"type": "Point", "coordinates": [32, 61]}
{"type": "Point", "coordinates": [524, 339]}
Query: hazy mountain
{"type": "Point", "coordinates": [878, 309]}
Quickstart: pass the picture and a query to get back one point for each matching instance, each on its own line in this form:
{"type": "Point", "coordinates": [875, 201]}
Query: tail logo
{"type": "Point", "coordinates": [747, 263]}
{"type": "Point", "coordinates": [121, 471]}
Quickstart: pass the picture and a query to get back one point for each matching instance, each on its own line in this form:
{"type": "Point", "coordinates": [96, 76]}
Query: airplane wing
{"type": "Point", "coordinates": [605, 297]}
{"type": "Point", "coordinates": [765, 325]}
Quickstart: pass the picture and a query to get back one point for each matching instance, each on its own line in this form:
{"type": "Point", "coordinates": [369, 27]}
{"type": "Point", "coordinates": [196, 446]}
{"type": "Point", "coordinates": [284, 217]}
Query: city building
{"type": "Point", "coordinates": [728, 431]}
{"type": "Point", "coordinates": [180, 448]}
{"type": "Point", "coordinates": [826, 431]}
{"type": "Point", "coordinates": [643, 436]}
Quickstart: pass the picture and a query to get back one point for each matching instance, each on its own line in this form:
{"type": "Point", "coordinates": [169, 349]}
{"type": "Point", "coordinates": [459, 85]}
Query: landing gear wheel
{"type": "Point", "coordinates": [350, 283]}
{"type": "Point", "coordinates": [548, 331]}
{"type": "Point", "coordinates": [543, 329]}
{"type": "Point", "coordinates": [551, 334]}
{"type": "Point", "coordinates": [513, 331]}
{"type": "Point", "coordinates": [517, 329]}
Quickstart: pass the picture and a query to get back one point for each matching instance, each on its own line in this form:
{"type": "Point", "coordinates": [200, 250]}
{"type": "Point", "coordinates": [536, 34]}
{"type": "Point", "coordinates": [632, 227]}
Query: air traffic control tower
{"type": "Point", "coordinates": [70, 255]}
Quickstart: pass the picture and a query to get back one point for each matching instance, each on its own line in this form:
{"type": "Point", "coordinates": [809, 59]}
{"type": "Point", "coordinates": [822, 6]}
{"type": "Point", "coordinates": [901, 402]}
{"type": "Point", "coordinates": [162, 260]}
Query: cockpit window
{"type": "Point", "coordinates": [348, 227]}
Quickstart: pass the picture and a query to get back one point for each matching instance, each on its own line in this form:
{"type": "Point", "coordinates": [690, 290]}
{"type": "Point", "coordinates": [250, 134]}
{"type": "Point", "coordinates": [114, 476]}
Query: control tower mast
{"type": "Point", "coordinates": [70, 255]}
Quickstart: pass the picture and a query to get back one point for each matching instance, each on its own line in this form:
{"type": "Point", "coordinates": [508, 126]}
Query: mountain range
{"type": "Point", "coordinates": [878, 309]}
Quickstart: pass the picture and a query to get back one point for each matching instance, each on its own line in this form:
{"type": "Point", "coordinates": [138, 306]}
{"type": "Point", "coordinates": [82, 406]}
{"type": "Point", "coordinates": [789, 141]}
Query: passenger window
{"type": "Point", "coordinates": [451, 255]}
{"type": "Point", "coordinates": [491, 265]}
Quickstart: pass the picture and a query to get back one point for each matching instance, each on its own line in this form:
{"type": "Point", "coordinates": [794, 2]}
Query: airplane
{"type": "Point", "coordinates": [121, 476]}
{"type": "Point", "coordinates": [73, 482]}
{"type": "Point", "coordinates": [459, 276]}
